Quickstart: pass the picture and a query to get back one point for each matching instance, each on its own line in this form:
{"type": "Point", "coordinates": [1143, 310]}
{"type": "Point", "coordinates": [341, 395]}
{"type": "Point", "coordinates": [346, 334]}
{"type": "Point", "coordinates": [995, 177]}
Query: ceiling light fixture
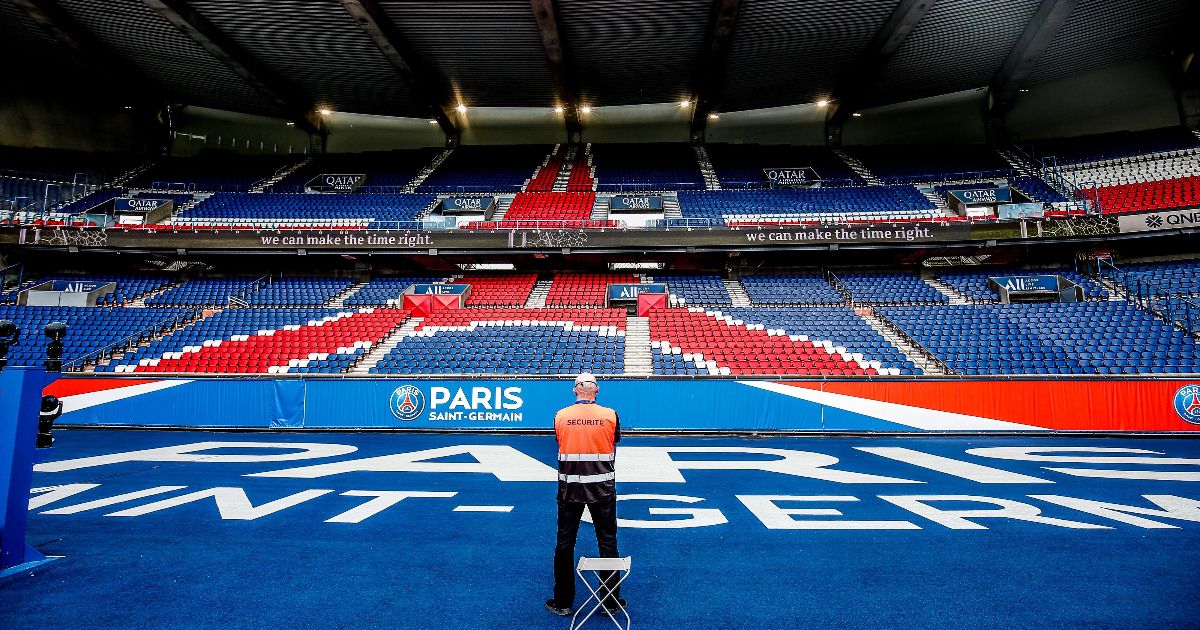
{"type": "Point", "coordinates": [822, 103]}
{"type": "Point", "coordinates": [713, 116]}
{"type": "Point", "coordinates": [558, 110]}
{"type": "Point", "coordinates": [325, 112]}
{"type": "Point", "coordinates": [462, 109]}
{"type": "Point", "coordinates": [684, 103]}
{"type": "Point", "coordinates": [586, 109]}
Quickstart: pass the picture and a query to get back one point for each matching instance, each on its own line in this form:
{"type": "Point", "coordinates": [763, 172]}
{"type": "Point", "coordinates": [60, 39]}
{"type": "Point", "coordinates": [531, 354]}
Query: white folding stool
{"type": "Point", "coordinates": [595, 566]}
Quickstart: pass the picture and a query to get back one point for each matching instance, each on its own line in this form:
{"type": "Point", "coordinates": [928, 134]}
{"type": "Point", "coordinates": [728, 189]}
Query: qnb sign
{"type": "Point", "coordinates": [793, 176]}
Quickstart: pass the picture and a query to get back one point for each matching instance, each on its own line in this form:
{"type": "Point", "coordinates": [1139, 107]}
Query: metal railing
{"type": "Point", "coordinates": [129, 342]}
{"type": "Point", "coordinates": [241, 298]}
{"type": "Point", "coordinates": [1147, 293]}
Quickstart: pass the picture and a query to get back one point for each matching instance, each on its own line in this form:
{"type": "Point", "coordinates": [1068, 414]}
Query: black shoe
{"type": "Point", "coordinates": [561, 612]}
{"type": "Point", "coordinates": [611, 606]}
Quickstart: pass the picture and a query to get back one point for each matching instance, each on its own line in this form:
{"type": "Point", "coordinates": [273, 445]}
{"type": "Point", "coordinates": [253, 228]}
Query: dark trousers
{"type": "Point", "coordinates": [604, 517]}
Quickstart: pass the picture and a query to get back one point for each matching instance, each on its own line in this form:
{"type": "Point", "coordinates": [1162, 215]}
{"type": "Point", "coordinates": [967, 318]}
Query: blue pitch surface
{"type": "Point", "coordinates": [420, 564]}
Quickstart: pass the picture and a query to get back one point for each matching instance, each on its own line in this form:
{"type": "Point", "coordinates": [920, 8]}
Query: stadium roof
{"type": "Point", "coordinates": [422, 59]}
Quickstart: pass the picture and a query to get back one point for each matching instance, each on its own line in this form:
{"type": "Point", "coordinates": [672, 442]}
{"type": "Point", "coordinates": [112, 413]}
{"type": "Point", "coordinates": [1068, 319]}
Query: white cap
{"type": "Point", "coordinates": [585, 377]}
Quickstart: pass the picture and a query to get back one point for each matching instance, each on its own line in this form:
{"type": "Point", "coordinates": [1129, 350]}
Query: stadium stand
{"type": "Point", "coordinates": [211, 172]}
{"type": "Point", "coordinates": [724, 344]}
{"type": "Point", "coordinates": [974, 283]}
{"type": "Point", "coordinates": [547, 210]}
{"type": "Point", "coordinates": [511, 341]}
{"type": "Point", "coordinates": [266, 341]}
{"type": "Point", "coordinates": [890, 288]}
{"type": "Point", "coordinates": [499, 290]}
{"type": "Point", "coordinates": [1173, 278]}
{"type": "Point", "coordinates": [1048, 338]}
{"type": "Point", "coordinates": [931, 163]}
{"type": "Point", "coordinates": [269, 210]}
{"type": "Point", "coordinates": [129, 286]}
{"type": "Point", "coordinates": [584, 289]}
{"type": "Point", "coordinates": [386, 290]}
{"type": "Point", "coordinates": [89, 329]}
{"type": "Point", "coordinates": [543, 181]}
{"type": "Point", "coordinates": [645, 167]}
{"type": "Point", "coordinates": [203, 292]}
{"type": "Point", "coordinates": [749, 207]}
{"type": "Point", "coordinates": [79, 167]}
{"type": "Point", "coordinates": [299, 291]}
{"type": "Point", "coordinates": [385, 171]}
{"type": "Point", "coordinates": [1170, 194]}
{"type": "Point", "coordinates": [791, 288]}
{"type": "Point", "coordinates": [1036, 189]}
{"type": "Point", "coordinates": [695, 289]}
{"type": "Point", "coordinates": [741, 165]}
{"type": "Point", "coordinates": [1113, 146]}
{"type": "Point", "coordinates": [581, 179]}
{"type": "Point", "coordinates": [486, 169]}
{"type": "Point", "coordinates": [833, 328]}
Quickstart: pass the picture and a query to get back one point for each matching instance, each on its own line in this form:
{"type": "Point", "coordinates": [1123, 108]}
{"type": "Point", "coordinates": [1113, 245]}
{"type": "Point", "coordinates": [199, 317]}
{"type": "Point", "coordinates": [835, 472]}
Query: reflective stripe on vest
{"type": "Point", "coordinates": [587, 478]}
{"type": "Point", "coordinates": [586, 457]}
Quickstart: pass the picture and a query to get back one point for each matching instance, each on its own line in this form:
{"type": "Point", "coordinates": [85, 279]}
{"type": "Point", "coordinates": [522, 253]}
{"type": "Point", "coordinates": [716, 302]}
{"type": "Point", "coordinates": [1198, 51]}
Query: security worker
{"type": "Point", "coordinates": [587, 436]}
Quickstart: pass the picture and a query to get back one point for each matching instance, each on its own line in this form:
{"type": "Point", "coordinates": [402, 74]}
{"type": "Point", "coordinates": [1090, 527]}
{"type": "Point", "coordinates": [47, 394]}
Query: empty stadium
{"type": "Point", "coordinates": [898, 302]}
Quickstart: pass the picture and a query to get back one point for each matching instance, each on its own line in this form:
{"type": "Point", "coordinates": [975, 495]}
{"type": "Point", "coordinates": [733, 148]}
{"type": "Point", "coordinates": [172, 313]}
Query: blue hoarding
{"type": "Point", "coordinates": [631, 291]}
{"type": "Point", "coordinates": [467, 205]}
{"type": "Point", "coordinates": [1021, 211]}
{"type": "Point", "coordinates": [982, 196]}
{"type": "Point", "coordinates": [635, 202]}
{"type": "Point", "coordinates": [1027, 284]}
{"type": "Point", "coordinates": [439, 289]}
{"type": "Point", "coordinates": [130, 204]}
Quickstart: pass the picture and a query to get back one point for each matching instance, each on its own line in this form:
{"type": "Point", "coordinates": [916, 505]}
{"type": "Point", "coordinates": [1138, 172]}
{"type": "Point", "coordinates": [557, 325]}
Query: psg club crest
{"type": "Point", "coordinates": [407, 403]}
{"type": "Point", "coordinates": [1187, 403]}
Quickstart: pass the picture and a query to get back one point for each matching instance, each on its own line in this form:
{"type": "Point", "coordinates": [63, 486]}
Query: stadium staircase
{"type": "Point", "coordinates": [938, 201]}
{"type": "Point", "coordinates": [127, 176]}
{"type": "Point", "coordinates": [339, 300]}
{"type": "Point", "coordinates": [737, 293]}
{"type": "Point", "coordinates": [955, 296]}
{"type": "Point", "coordinates": [502, 206]}
{"type": "Point", "coordinates": [385, 347]}
{"type": "Point", "coordinates": [197, 199]}
{"type": "Point", "coordinates": [564, 172]}
{"type": "Point", "coordinates": [537, 297]}
{"type": "Point", "coordinates": [919, 356]}
{"type": "Point", "coordinates": [278, 176]}
{"type": "Point", "coordinates": [671, 207]}
{"type": "Point", "coordinates": [1017, 161]}
{"type": "Point", "coordinates": [638, 358]}
{"type": "Point", "coordinates": [858, 167]}
{"type": "Point", "coordinates": [601, 208]}
{"type": "Point", "coordinates": [711, 182]}
{"type": "Point", "coordinates": [140, 301]}
{"type": "Point", "coordinates": [424, 173]}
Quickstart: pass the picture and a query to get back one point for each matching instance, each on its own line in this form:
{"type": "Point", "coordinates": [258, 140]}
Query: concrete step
{"type": "Point", "coordinates": [537, 297]}
{"type": "Point", "coordinates": [380, 350]}
{"type": "Point", "coordinates": [913, 351]}
{"type": "Point", "coordinates": [427, 171]}
{"type": "Point", "coordinates": [638, 358]}
{"type": "Point", "coordinates": [956, 297]}
{"type": "Point", "coordinates": [859, 168]}
{"type": "Point", "coordinates": [737, 293]}
{"type": "Point", "coordinates": [339, 300]}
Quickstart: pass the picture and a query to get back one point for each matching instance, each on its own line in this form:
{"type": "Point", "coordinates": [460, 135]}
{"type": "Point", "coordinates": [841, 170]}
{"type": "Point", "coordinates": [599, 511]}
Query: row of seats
{"type": "Point", "coordinates": [646, 167]}
{"type": "Point", "coordinates": [695, 289]}
{"type": "Point", "coordinates": [300, 209]}
{"type": "Point", "coordinates": [265, 341]}
{"type": "Point", "coordinates": [299, 291]}
{"type": "Point", "coordinates": [790, 288]}
{"type": "Point", "coordinates": [524, 348]}
{"type": "Point", "coordinates": [1053, 338]}
{"type": "Point", "coordinates": [211, 172]}
{"type": "Point", "coordinates": [485, 169]}
{"type": "Point", "coordinates": [743, 165]}
{"type": "Point", "coordinates": [492, 290]}
{"type": "Point", "coordinates": [1114, 146]}
{"type": "Point", "coordinates": [580, 179]}
{"type": "Point", "coordinates": [929, 163]}
{"type": "Point", "coordinates": [551, 206]}
{"type": "Point", "coordinates": [974, 284]}
{"type": "Point", "coordinates": [584, 289]}
{"type": "Point", "coordinates": [755, 205]}
{"type": "Point", "coordinates": [890, 288]}
{"type": "Point", "coordinates": [1172, 278]}
{"type": "Point", "coordinates": [543, 180]}
{"type": "Point", "coordinates": [386, 290]}
{"type": "Point", "coordinates": [387, 171]}
{"type": "Point", "coordinates": [89, 329]}
{"type": "Point", "coordinates": [1143, 196]}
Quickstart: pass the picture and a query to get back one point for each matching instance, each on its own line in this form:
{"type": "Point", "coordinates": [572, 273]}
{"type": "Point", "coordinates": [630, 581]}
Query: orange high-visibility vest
{"type": "Point", "coordinates": [587, 435]}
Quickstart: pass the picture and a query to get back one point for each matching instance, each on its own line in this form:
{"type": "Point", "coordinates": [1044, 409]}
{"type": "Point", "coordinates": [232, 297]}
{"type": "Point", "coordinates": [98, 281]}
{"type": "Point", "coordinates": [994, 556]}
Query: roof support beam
{"type": "Point", "coordinates": [546, 16]}
{"type": "Point", "coordinates": [710, 69]}
{"type": "Point", "coordinates": [80, 45]}
{"type": "Point", "coordinates": [197, 27]}
{"type": "Point", "coordinates": [426, 83]}
{"type": "Point", "coordinates": [855, 84]}
{"type": "Point", "coordinates": [1021, 60]}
